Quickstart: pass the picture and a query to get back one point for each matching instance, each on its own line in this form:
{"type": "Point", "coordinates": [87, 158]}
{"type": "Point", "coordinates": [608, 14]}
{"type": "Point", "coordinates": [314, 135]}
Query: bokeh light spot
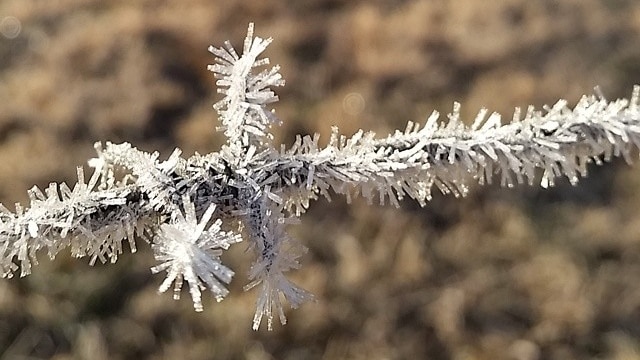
{"type": "Point", "coordinates": [10, 27]}
{"type": "Point", "coordinates": [353, 104]}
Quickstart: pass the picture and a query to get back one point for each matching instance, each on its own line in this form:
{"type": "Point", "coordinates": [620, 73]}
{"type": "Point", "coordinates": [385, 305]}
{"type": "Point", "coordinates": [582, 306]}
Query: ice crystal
{"type": "Point", "coordinates": [179, 205]}
{"type": "Point", "coordinates": [186, 251]}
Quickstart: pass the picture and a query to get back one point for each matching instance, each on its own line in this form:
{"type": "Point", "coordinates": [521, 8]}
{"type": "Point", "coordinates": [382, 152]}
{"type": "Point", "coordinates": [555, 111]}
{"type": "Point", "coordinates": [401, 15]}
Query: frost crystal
{"type": "Point", "coordinates": [133, 195]}
{"type": "Point", "coordinates": [189, 252]}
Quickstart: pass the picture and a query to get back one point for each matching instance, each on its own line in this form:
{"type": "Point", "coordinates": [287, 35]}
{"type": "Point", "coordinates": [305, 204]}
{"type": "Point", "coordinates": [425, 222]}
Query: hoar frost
{"type": "Point", "coordinates": [179, 205]}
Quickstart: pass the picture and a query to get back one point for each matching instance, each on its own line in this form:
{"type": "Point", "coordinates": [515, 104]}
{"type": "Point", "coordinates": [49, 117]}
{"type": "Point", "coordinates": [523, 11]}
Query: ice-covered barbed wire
{"type": "Point", "coordinates": [181, 205]}
{"type": "Point", "coordinates": [559, 140]}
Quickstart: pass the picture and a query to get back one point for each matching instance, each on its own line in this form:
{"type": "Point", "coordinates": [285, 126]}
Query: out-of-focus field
{"type": "Point", "coordinates": [520, 273]}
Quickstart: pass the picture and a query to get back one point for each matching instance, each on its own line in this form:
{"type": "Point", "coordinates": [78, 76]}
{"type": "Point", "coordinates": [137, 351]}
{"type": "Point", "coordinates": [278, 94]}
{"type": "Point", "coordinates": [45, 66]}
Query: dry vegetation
{"type": "Point", "coordinates": [504, 274]}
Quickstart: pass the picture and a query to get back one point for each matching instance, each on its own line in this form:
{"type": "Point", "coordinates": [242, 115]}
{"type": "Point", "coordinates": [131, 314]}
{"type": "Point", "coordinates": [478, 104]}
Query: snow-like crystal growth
{"type": "Point", "coordinates": [243, 113]}
{"type": "Point", "coordinates": [180, 205]}
{"type": "Point", "coordinates": [189, 252]}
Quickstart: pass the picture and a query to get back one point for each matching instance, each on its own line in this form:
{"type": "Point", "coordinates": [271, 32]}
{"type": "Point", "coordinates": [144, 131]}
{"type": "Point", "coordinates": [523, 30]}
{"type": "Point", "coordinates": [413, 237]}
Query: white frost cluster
{"type": "Point", "coordinates": [189, 252]}
{"type": "Point", "coordinates": [180, 205]}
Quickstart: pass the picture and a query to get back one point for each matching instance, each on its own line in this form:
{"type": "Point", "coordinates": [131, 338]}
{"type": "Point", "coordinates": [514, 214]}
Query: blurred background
{"type": "Point", "coordinates": [520, 273]}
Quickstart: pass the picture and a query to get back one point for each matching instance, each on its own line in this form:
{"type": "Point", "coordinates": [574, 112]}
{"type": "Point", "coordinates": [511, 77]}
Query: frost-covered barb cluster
{"type": "Point", "coordinates": [189, 209]}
